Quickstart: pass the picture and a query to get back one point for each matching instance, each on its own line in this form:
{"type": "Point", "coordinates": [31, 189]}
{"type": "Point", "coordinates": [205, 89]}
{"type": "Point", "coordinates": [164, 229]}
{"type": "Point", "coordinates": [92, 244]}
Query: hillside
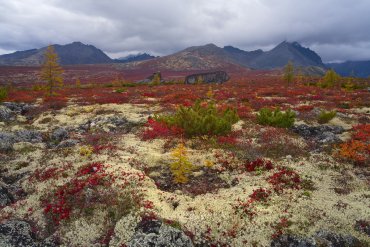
{"type": "Point", "coordinates": [70, 54]}
{"type": "Point", "coordinates": [352, 68]}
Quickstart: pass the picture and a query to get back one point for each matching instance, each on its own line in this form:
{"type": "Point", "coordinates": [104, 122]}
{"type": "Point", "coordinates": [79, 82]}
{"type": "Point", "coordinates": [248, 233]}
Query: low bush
{"type": "Point", "coordinates": [3, 93]}
{"type": "Point", "coordinates": [326, 116]}
{"type": "Point", "coordinates": [201, 120]}
{"type": "Point", "coordinates": [276, 117]}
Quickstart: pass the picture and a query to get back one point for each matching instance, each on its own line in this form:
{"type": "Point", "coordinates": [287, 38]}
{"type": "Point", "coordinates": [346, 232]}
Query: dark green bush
{"type": "Point", "coordinates": [326, 116]}
{"type": "Point", "coordinates": [276, 117]}
{"type": "Point", "coordinates": [201, 120]}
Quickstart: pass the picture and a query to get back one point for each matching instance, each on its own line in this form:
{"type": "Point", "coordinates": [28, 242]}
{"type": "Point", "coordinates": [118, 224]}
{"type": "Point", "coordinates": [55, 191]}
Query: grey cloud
{"type": "Point", "coordinates": [336, 29]}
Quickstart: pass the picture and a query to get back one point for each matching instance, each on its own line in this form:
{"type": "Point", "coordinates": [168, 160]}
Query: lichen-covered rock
{"type": "Point", "coordinates": [6, 141]}
{"type": "Point", "coordinates": [68, 143]}
{"type": "Point", "coordinates": [6, 114]}
{"type": "Point", "coordinates": [19, 108]}
{"type": "Point", "coordinates": [322, 134]}
{"type": "Point", "coordinates": [211, 77]}
{"type": "Point", "coordinates": [32, 136]}
{"type": "Point", "coordinates": [16, 233]}
{"type": "Point", "coordinates": [5, 196]}
{"type": "Point", "coordinates": [59, 135]}
{"type": "Point", "coordinates": [293, 241]}
{"type": "Point", "coordinates": [330, 239]}
{"type": "Point", "coordinates": [108, 124]}
{"type": "Point", "coordinates": [321, 238]}
{"type": "Point", "coordinates": [156, 234]}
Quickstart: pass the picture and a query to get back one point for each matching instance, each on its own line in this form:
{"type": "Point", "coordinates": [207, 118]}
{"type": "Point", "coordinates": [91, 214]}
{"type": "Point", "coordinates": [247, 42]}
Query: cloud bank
{"type": "Point", "coordinates": [336, 29]}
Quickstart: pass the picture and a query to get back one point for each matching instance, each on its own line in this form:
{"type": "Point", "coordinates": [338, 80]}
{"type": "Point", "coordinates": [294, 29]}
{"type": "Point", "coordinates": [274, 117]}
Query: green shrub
{"type": "Point", "coordinates": [201, 120]}
{"type": "Point", "coordinates": [326, 116]}
{"type": "Point", "coordinates": [120, 90]}
{"type": "Point", "coordinates": [3, 93]}
{"type": "Point", "coordinates": [276, 117]}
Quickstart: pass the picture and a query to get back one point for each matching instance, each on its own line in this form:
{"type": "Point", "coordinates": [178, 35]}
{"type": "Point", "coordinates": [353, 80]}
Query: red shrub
{"type": "Point", "coordinates": [260, 195]}
{"type": "Point", "coordinates": [285, 179]}
{"type": "Point", "coordinates": [157, 129]}
{"type": "Point", "coordinates": [259, 164]}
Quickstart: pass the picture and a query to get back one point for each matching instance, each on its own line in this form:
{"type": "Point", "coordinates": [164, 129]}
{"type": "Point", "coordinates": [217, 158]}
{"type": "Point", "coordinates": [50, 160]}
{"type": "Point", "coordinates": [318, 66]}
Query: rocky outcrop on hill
{"type": "Point", "coordinates": [211, 77]}
{"type": "Point", "coordinates": [156, 234]}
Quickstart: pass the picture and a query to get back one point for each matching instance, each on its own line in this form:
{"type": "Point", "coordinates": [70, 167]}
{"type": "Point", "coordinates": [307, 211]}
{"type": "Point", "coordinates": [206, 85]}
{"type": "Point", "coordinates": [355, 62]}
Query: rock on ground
{"type": "Point", "coordinates": [18, 233]}
{"type": "Point", "coordinates": [321, 238]}
{"type": "Point", "coordinates": [212, 77]}
{"type": "Point", "coordinates": [156, 234]}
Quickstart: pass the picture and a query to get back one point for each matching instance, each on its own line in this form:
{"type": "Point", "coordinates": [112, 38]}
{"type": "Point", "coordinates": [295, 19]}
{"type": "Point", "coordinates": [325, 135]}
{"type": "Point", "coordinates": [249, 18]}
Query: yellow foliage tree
{"type": "Point", "coordinates": [289, 73]}
{"type": "Point", "coordinates": [331, 79]}
{"type": "Point", "coordinates": [181, 167]}
{"type": "Point", "coordinates": [51, 72]}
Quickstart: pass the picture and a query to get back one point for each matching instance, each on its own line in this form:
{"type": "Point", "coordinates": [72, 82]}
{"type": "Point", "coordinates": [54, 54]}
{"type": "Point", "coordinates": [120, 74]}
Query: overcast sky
{"type": "Point", "coordinates": [336, 29]}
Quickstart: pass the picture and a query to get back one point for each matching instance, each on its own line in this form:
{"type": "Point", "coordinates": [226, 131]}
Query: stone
{"type": "Point", "coordinates": [322, 134]}
{"type": "Point", "coordinates": [150, 78]}
{"type": "Point", "coordinates": [210, 77]}
{"type": "Point", "coordinates": [108, 124]}
{"type": "Point", "coordinates": [6, 114]}
{"type": "Point", "coordinates": [68, 143]}
{"type": "Point", "coordinates": [5, 197]}
{"type": "Point", "coordinates": [16, 233]}
{"type": "Point", "coordinates": [32, 136]}
{"type": "Point", "coordinates": [6, 141]}
{"type": "Point", "coordinates": [156, 234]}
{"type": "Point", "coordinates": [331, 239]}
{"type": "Point", "coordinates": [59, 135]}
{"type": "Point", "coordinates": [292, 241]}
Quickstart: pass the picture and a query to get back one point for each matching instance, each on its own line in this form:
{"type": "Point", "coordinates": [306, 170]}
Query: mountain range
{"type": "Point", "coordinates": [206, 57]}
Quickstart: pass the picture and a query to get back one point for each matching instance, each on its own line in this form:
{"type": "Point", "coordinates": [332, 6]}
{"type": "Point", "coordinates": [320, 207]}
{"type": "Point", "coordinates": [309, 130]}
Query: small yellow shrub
{"type": "Point", "coordinates": [86, 151]}
{"type": "Point", "coordinates": [181, 168]}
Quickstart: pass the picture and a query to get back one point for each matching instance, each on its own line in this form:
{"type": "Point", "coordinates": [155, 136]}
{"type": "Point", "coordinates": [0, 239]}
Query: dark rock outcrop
{"type": "Point", "coordinates": [59, 135]}
{"type": "Point", "coordinates": [18, 233]}
{"type": "Point", "coordinates": [321, 238]}
{"type": "Point", "coordinates": [112, 123]}
{"type": "Point", "coordinates": [5, 197]}
{"type": "Point", "coordinates": [156, 234]}
{"type": "Point", "coordinates": [151, 78]}
{"type": "Point", "coordinates": [7, 139]}
{"type": "Point", "coordinates": [322, 134]}
{"type": "Point", "coordinates": [210, 77]}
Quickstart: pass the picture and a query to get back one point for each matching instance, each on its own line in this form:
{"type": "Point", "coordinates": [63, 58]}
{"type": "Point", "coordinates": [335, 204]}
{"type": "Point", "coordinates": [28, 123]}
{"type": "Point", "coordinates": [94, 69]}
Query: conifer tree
{"type": "Point", "coordinates": [51, 72]}
{"type": "Point", "coordinates": [289, 73]}
{"type": "Point", "coordinates": [331, 78]}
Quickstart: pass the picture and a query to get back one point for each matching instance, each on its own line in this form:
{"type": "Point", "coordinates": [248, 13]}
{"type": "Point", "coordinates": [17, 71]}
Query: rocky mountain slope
{"type": "Point", "coordinates": [70, 54]}
{"type": "Point", "coordinates": [352, 68]}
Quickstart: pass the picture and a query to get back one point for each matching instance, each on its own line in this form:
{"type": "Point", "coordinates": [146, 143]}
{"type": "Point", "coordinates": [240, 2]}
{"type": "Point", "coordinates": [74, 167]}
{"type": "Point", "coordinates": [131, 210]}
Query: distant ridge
{"type": "Point", "coordinates": [352, 68]}
{"type": "Point", "coordinates": [135, 58]}
{"type": "Point", "coordinates": [70, 54]}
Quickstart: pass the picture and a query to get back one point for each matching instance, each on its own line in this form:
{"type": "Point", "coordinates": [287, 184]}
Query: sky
{"type": "Point", "coordinates": [337, 30]}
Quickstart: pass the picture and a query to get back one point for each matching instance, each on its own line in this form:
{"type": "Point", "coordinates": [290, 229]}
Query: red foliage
{"type": "Point", "coordinates": [156, 129]}
{"type": "Point", "coordinates": [260, 195]}
{"type": "Point", "coordinates": [284, 179]}
{"type": "Point", "coordinates": [259, 164]}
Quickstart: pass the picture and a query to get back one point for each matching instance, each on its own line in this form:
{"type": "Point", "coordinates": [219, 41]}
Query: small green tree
{"type": "Point", "coordinates": [51, 72]}
{"type": "Point", "coordinates": [289, 73]}
{"type": "Point", "coordinates": [330, 79]}
{"type": "Point", "coordinates": [156, 79]}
